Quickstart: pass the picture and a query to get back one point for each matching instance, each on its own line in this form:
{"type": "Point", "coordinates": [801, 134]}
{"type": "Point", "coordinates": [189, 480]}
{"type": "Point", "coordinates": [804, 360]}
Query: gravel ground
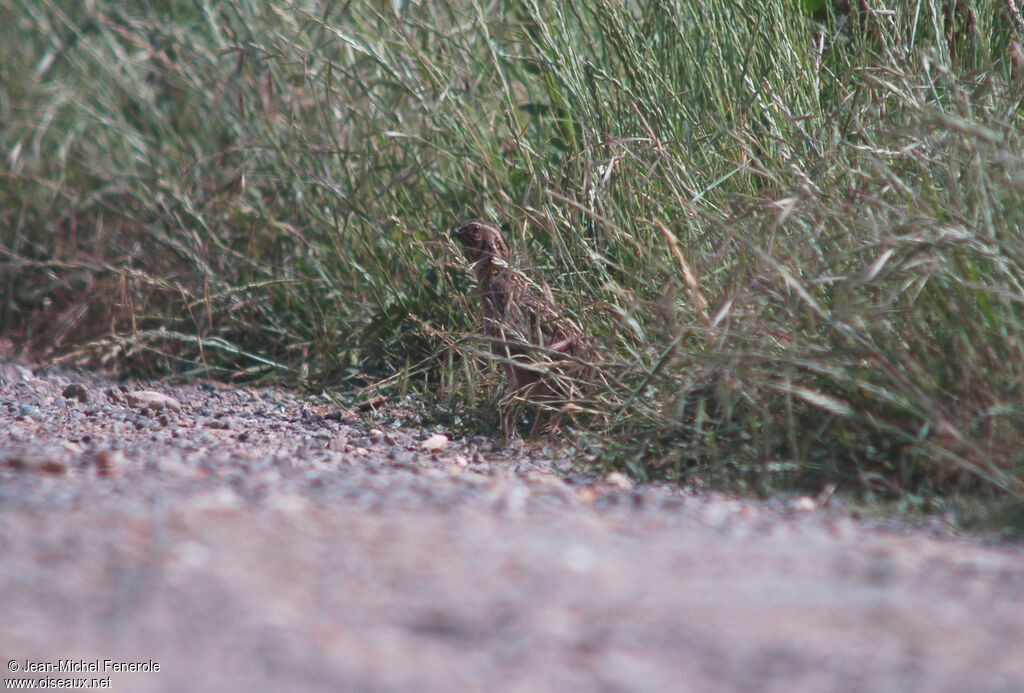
{"type": "Point", "coordinates": [245, 539]}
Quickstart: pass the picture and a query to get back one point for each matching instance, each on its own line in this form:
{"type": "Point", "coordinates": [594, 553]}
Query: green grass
{"type": "Point", "coordinates": [796, 236]}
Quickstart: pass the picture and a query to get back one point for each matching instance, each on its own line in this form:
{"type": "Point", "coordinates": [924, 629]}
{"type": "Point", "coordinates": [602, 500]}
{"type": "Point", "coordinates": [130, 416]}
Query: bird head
{"type": "Point", "coordinates": [483, 242]}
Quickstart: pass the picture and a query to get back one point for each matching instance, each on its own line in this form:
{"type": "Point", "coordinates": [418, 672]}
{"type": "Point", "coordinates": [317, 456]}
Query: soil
{"type": "Point", "coordinates": [247, 539]}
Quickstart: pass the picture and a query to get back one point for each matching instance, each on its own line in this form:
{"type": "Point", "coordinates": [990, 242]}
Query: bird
{"type": "Point", "coordinates": [533, 341]}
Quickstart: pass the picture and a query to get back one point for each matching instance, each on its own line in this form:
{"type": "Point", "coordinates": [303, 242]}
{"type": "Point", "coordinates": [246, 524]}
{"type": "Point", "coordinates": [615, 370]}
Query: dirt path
{"type": "Point", "coordinates": [252, 541]}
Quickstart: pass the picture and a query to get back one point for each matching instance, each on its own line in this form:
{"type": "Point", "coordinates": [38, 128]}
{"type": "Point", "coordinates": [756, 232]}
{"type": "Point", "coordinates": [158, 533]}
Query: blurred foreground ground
{"type": "Point", "coordinates": [244, 539]}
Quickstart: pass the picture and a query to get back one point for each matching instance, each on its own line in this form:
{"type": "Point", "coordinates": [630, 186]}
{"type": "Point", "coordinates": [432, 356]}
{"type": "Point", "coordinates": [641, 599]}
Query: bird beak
{"type": "Point", "coordinates": [457, 234]}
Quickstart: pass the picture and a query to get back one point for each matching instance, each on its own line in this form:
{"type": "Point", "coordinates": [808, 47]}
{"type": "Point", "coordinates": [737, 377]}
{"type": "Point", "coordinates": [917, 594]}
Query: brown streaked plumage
{"type": "Point", "coordinates": [525, 328]}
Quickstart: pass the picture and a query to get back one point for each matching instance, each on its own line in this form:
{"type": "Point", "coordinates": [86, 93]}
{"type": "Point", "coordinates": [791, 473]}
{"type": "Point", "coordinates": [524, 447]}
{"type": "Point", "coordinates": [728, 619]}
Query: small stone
{"type": "Point", "coordinates": [619, 480]}
{"type": "Point", "coordinates": [153, 400]}
{"type": "Point", "coordinates": [76, 391]}
{"type": "Point", "coordinates": [435, 443]}
{"type": "Point", "coordinates": [115, 396]}
{"type": "Point", "coordinates": [108, 462]}
{"type": "Point", "coordinates": [804, 504]}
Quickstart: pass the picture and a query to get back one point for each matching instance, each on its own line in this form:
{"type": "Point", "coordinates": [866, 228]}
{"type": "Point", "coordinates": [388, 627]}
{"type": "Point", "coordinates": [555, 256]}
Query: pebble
{"type": "Point", "coordinates": [803, 504]}
{"type": "Point", "coordinates": [108, 462]}
{"type": "Point", "coordinates": [435, 443]}
{"type": "Point", "coordinates": [153, 400]}
{"type": "Point", "coordinates": [619, 480]}
{"type": "Point", "coordinates": [76, 391]}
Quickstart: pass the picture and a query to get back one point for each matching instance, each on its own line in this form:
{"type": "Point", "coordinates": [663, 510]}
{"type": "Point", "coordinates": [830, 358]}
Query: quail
{"type": "Point", "coordinates": [525, 329]}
